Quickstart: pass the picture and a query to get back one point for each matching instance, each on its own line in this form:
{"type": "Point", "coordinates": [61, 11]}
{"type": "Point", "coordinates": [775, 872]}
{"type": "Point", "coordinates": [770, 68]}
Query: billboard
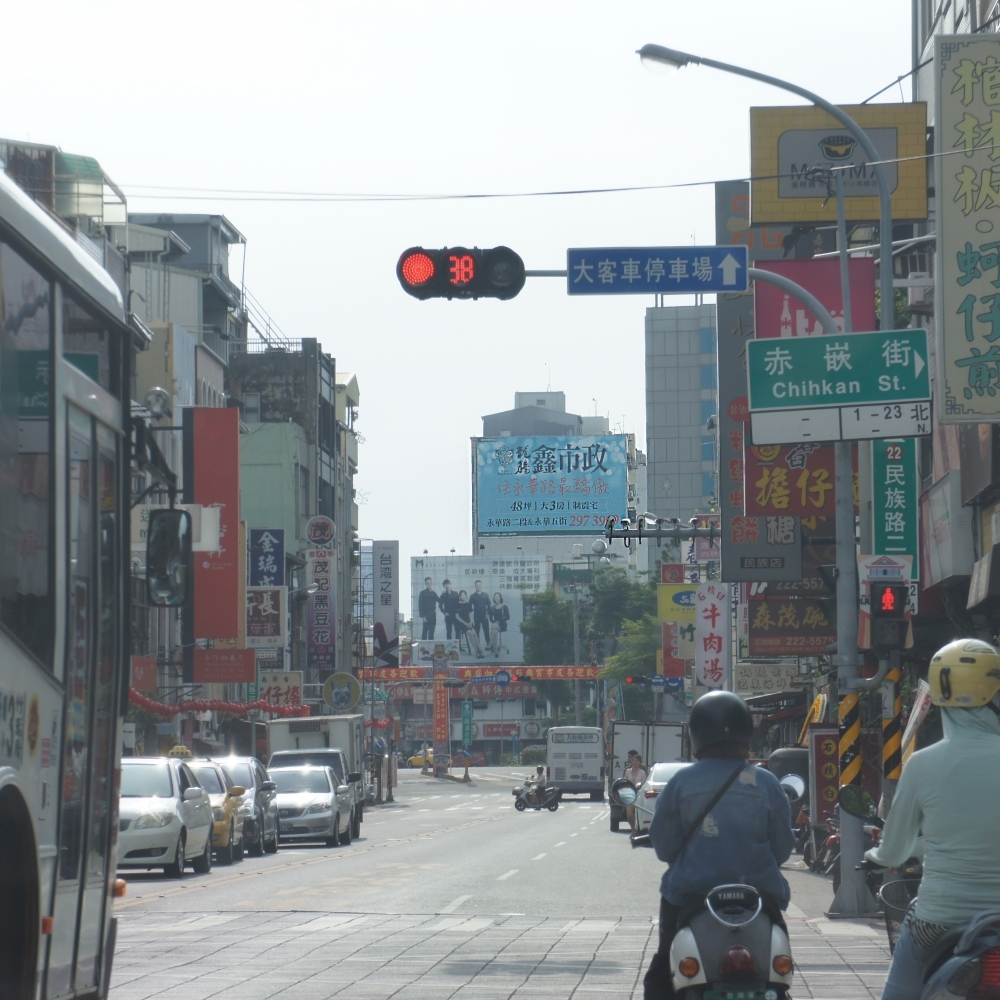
{"type": "Point", "coordinates": [791, 627]}
{"type": "Point", "coordinates": [448, 591]}
{"type": "Point", "coordinates": [713, 639]}
{"type": "Point", "coordinates": [385, 586]}
{"type": "Point", "coordinates": [787, 143]}
{"type": "Point", "coordinates": [752, 550]}
{"type": "Point", "coordinates": [548, 485]}
{"type": "Point", "coordinates": [794, 479]}
{"type": "Point", "coordinates": [968, 196]}
{"type": "Point", "coordinates": [280, 687]}
{"type": "Point", "coordinates": [224, 666]}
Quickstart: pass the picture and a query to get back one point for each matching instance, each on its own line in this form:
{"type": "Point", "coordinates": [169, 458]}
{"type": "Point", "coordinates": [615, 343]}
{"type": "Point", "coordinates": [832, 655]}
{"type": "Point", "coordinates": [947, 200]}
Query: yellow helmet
{"type": "Point", "coordinates": [179, 751]}
{"type": "Point", "coordinates": [964, 674]}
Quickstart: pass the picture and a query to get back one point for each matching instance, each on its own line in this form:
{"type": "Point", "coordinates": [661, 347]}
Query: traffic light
{"type": "Point", "coordinates": [460, 273]}
{"type": "Point", "coordinates": [887, 603]}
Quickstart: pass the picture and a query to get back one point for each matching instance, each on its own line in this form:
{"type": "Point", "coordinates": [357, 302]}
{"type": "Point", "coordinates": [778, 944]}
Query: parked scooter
{"type": "Point", "coordinates": [733, 944]}
{"type": "Point", "coordinates": [527, 797]}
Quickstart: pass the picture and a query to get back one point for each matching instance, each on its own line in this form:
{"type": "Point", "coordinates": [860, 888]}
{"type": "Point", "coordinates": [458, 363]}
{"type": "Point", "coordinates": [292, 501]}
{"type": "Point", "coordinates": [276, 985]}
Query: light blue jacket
{"type": "Point", "coordinates": [951, 792]}
{"type": "Point", "coordinates": [744, 839]}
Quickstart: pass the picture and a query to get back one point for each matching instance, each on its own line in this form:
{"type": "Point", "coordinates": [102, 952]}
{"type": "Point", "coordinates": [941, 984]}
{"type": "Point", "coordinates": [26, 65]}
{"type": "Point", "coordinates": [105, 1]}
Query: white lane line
{"type": "Point", "coordinates": [506, 875]}
{"type": "Point", "coordinates": [572, 834]}
{"type": "Point", "coordinates": [562, 843]}
{"type": "Point", "coordinates": [423, 810]}
{"type": "Point", "coordinates": [455, 904]}
{"type": "Point", "coordinates": [538, 857]}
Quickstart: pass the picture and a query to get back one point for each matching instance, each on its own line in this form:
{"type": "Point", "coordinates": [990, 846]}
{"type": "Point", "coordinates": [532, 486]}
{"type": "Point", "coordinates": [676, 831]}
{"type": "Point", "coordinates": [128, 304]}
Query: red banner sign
{"type": "Point", "coordinates": [225, 666]}
{"type": "Point", "coordinates": [824, 760]}
{"type": "Point", "coordinates": [442, 724]}
{"type": "Point", "coordinates": [792, 480]}
{"type": "Point", "coordinates": [219, 602]}
{"type": "Point", "coordinates": [498, 729]}
{"type": "Point", "coordinates": [471, 673]}
{"type": "Point", "coordinates": [405, 692]}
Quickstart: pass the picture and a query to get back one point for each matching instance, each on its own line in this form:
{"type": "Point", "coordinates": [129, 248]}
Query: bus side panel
{"type": "Point", "coordinates": [30, 726]}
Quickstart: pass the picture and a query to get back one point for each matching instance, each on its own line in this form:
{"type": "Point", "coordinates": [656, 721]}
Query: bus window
{"type": "Point", "coordinates": [89, 345]}
{"type": "Point", "coordinates": [27, 607]}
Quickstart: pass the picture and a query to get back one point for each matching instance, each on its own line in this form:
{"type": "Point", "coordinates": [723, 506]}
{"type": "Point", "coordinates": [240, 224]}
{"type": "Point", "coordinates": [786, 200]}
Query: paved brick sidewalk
{"type": "Point", "coordinates": [315, 956]}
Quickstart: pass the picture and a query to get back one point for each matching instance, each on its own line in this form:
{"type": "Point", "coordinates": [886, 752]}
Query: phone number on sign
{"type": "Point", "coordinates": [781, 644]}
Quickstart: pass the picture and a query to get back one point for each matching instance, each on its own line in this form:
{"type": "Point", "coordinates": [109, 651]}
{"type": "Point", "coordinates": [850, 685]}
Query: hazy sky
{"type": "Point", "coordinates": [433, 97]}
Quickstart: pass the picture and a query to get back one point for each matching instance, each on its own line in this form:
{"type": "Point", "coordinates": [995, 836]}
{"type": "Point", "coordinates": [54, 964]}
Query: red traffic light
{"type": "Point", "coordinates": [888, 600]}
{"type": "Point", "coordinates": [460, 273]}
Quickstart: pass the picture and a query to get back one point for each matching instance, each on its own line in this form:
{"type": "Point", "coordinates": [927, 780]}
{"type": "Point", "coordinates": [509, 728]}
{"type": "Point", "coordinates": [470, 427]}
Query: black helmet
{"type": "Point", "coordinates": [719, 717]}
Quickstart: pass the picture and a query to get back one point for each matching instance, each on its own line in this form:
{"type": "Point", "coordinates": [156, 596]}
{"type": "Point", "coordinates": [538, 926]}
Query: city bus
{"type": "Point", "coordinates": [66, 451]}
{"type": "Point", "coordinates": [574, 760]}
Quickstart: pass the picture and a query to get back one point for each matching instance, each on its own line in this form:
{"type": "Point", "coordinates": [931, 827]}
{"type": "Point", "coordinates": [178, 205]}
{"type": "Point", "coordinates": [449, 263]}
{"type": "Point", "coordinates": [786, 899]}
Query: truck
{"type": "Point", "coordinates": [656, 743]}
{"type": "Point", "coordinates": [321, 732]}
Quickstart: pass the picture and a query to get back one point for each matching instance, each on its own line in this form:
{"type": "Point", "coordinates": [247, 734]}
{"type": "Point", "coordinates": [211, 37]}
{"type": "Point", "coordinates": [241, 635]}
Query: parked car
{"type": "Point", "coordinates": [336, 759]}
{"type": "Point", "coordinates": [164, 817]}
{"type": "Point", "coordinates": [650, 789]}
{"type": "Point", "coordinates": [260, 802]}
{"type": "Point", "coordinates": [312, 805]}
{"type": "Point", "coordinates": [227, 808]}
{"type": "Point", "coordinates": [422, 759]}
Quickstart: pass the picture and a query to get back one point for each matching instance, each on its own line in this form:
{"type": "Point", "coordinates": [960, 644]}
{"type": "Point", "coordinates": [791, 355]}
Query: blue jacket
{"type": "Point", "coordinates": [744, 839]}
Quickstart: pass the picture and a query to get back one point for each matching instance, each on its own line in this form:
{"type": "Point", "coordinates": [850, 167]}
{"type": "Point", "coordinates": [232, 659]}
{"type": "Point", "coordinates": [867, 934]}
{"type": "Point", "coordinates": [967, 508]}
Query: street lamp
{"type": "Point", "coordinates": [853, 897]}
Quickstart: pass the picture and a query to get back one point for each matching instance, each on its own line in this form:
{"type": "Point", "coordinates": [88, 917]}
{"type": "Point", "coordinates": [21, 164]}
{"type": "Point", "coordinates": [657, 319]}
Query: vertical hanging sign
{"type": "Point", "coordinates": [321, 615]}
{"type": "Point", "coordinates": [267, 557]}
{"type": "Point", "coordinates": [385, 568]}
{"type": "Point", "coordinates": [713, 634]}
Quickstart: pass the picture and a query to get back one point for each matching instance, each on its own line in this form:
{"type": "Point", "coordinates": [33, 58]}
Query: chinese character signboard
{"type": "Point", "coordinates": [224, 666]}
{"type": "Point", "coordinates": [792, 147]}
{"type": "Point", "coordinates": [267, 613]}
{"type": "Point", "coordinates": [778, 314]}
{"type": "Point", "coordinates": [795, 480]}
{"type": "Point", "coordinates": [656, 270]}
{"type": "Point", "coordinates": [746, 553]}
{"type": "Point", "coordinates": [764, 678]}
{"type": "Point", "coordinates": [967, 126]}
{"type": "Point", "coordinates": [824, 763]}
{"type": "Point", "coordinates": [321, 615]}
{"type": "Point", "coordinates": [895, 493]}
{"type": "Point", "coordinates": [675, 608]}
{"type": "Point", "coordinates": [548, 485]}
{"type": "Point", "coordinates": [713, 634]}
{"type": "Point", "coordinates": [791, 626]}
{"type": "Point", "coordinates": [385, 569]}
{"type": "Point", "coordinates": [267, 557]}
{"type": "Point", "coordinates": [279, 687]}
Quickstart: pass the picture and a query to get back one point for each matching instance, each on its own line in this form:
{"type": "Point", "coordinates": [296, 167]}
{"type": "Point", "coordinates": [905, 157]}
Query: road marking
{"type": "Point", "coordinates": [538, 857]}
{"type": "Point", "coordinates": [562, 843]}
{"type": "Point", "coordinates": [423, 810]}
{"type": "Point", "coordinates": [329, 922]}
{"type": "Point", "coordinates": [506, 875]}
{"type": "Point", "coordinates": [572, 834]}
{"type": "Point", "coordinates": [462, 924]}
{"type": "Point", "coordinates": [200, 923]}
{"type": "Point", "coordinates": [455, 904]}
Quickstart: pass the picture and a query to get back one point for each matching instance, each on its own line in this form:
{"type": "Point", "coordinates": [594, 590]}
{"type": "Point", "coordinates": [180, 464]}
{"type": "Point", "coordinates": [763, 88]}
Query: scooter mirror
{"type": "Point", "coordinates": [858, 802]}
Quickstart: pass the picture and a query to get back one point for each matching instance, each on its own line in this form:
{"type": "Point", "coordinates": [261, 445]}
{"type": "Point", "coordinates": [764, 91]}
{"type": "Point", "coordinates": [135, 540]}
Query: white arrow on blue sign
{"type": "Point", "coordinates": [658, 681]}
{"type": "Point", "coordinates": [656, 270]}
{"type": "Point", "coordinates": [502, 677]}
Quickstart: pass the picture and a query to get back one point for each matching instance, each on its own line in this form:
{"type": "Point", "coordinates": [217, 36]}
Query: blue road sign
{"type": "Point", "coordinates": [658, 681]}
{"type": "Point", "coordinates": [502, 677]}
{"type": "Point", "coordinates": [656, 270]}
{"type": "Point", "coordinates": [675, 683]}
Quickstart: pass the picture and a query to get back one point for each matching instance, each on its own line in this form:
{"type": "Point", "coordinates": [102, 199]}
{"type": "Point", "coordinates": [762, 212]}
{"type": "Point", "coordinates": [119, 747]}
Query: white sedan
{"type": "Point", "coordinates": [164, 817]}
{"type": "Point", "coordinates": [312, 805]}
{"type": "Point", "coordinates": [655, 782]}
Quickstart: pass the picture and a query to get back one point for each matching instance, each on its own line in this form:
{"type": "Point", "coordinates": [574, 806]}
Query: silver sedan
{"type": "Point", "coordinates": [312, 805]}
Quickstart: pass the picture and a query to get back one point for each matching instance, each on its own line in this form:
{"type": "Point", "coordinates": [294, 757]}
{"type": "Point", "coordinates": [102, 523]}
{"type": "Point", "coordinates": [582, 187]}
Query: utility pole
{"type": "Point", "coordinates": [576, 650]}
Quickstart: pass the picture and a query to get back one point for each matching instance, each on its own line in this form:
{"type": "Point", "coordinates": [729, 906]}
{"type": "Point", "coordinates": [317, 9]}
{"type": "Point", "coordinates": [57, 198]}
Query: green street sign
{"type": "Point", "coordinates": [895, 496]}
{"type": "Point", "coordinates": [252, 692]}
{"type": "Point", "coordinates": [848, 370]}
{"type": "Point", "coordinates": [466, 723]}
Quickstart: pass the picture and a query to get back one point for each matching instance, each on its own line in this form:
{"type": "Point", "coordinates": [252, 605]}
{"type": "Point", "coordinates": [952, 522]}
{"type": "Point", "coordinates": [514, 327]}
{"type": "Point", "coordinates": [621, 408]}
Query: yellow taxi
{"type": "Point", "coordinates": [419, 760]}
{"type": "Point", "coordinates": [227, 808]}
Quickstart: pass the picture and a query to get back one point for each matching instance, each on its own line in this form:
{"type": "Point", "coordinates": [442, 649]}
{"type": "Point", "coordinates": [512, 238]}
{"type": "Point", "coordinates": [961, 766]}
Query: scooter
{"type": "Point", "coordinates": [549, 799]}
{"type": "Point", "coordinates": [732, 943]}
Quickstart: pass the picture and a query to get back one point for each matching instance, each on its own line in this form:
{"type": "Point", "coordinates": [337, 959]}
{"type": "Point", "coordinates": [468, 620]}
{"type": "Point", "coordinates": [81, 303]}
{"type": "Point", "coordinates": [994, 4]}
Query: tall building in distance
{"type": "Point", "coordinates": [681, 398]}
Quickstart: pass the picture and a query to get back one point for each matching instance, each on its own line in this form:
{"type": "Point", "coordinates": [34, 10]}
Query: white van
{"type": "Point", "coordinates": [575, 760]}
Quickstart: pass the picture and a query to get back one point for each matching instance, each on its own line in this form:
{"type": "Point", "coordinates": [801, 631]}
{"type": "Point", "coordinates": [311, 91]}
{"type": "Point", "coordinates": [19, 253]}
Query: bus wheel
{"type": "Point", "coordinates": [19, 917]}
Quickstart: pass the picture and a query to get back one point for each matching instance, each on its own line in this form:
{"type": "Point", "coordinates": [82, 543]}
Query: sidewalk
{"type": "Point", "coordinates": [315, 956]}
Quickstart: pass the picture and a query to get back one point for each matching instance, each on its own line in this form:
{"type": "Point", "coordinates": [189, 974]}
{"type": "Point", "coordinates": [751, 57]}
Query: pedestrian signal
{"type": "Point", "coordinates": [461, 273]}
{"type": "Point", "coordinates": [888, 600]}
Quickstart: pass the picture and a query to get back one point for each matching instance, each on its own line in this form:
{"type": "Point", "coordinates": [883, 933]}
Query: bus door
{"type": "Point", "coordinates": [92, 571]}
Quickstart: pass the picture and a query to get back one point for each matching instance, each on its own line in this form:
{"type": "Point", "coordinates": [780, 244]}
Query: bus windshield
{"type": "Point", "coordinates": [146, 781]}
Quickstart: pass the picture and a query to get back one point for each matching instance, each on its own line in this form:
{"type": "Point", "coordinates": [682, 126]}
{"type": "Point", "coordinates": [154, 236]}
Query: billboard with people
{"type": "Point", "coordinates": [473, 604]}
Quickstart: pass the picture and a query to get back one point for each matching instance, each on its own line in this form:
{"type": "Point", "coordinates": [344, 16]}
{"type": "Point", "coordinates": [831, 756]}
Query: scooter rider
{"type": "Point", "coordinates": [949, 792]}
{"type": "Point", "coordinates": [537, 789]}
{"type": "Point", "coordinates": [743, 838]}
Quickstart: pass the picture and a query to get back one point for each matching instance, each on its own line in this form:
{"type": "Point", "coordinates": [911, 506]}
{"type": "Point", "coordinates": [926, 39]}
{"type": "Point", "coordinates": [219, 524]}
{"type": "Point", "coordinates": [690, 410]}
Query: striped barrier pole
{"type": "Point", "coordinates": [892, 735]}
{"type": "Point", "coordinates": [849, 712]}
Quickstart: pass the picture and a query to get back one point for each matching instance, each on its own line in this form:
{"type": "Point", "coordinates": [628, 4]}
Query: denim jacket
{"type": "Point", "coordinates": [744, 839]}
